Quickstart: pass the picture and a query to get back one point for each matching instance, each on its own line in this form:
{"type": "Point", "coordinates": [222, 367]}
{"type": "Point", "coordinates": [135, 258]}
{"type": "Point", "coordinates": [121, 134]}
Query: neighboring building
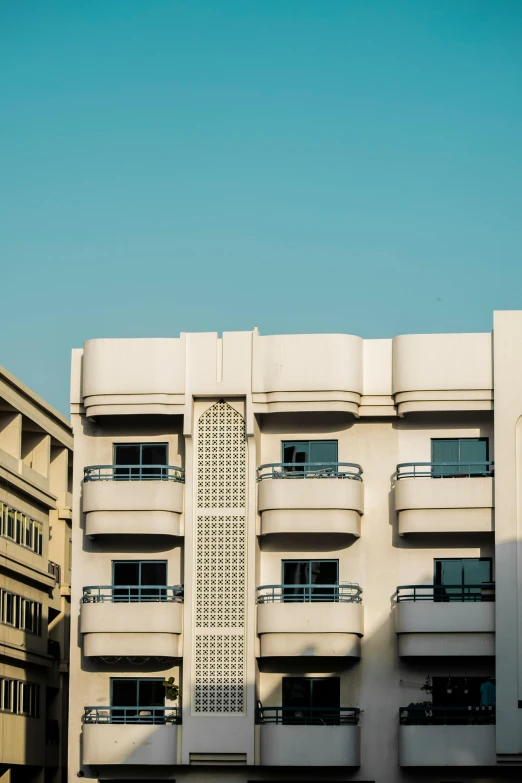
{"type": "Point", "coordinates": [35, 585]}
{"type": "Point", "coordinates": [305, 532]}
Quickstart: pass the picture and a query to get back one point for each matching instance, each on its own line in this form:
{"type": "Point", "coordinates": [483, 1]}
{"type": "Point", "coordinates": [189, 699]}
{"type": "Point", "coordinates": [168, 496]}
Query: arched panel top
{"type": "Point", "coordinates": [221, 458]}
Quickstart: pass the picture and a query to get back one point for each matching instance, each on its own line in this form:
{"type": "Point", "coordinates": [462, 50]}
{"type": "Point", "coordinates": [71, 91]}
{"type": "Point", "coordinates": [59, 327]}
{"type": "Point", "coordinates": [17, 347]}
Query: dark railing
{"type": "Point", "coordinates": [447, 716]}
{"type": "Point", "coordinates": [444, 469]}
{"type": "Point", "coordinates": [154, 715]}
{"type": "Point", "coordinates": [271, 594]}
{"type": "Point", "coordinates": [54, 570]}
{"type": "Point", "coordinates": [114, 594]}
{"type": "Point", "coordinates": [309, 716]}
{"type": "Point", "coordinates": [296, 470]}
{"type": "Point", "coordinates": [446, 593]}
{"type": "Point", "coordinates": [134, 473]}
{"type": "Point", "coordinates": [53, 649]}
{"type": "Point", "coordinates": [52, 732]}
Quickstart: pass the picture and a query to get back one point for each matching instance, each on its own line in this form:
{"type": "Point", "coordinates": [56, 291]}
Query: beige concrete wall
{"type": "Point", "coordinates": [447, 746]}
{"type": "Point", "coordinates": [288, 746]}
{"type": "Point", "coordinates": [129, 745]}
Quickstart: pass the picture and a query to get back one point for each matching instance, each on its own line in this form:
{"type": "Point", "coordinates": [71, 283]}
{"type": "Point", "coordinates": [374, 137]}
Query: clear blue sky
{"type": "Point", "coordinates": [303, 166]}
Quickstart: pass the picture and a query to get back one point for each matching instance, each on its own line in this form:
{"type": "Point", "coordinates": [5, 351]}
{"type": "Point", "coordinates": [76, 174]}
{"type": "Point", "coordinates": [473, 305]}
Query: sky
{"type": "Point", "coordinates": [297, 165]}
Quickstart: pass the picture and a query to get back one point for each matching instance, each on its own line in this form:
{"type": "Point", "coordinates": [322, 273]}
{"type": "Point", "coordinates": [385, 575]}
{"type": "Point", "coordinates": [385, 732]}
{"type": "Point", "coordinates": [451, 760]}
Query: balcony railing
{"type": "Point", "coordinates": [137, 714]}
{"type": "Point", "coordinates": [447, 716]}
{"type": "Point", "coordinates": [308, 716]}
{"type": "Point", "coordinates": [134, 473]}
{"type": "Point", "coordinates": [271, 594]}
{"type": "Point", "coordinates": [293, 470]}
{"type": "Point", "coordinates": [447, 593]}
{"type": "Point", "coordinates": [445, 470]}
{"type": "Point", "coordinates": [54, 570]}
{"type": "Point", "coordinates": [114, 594]}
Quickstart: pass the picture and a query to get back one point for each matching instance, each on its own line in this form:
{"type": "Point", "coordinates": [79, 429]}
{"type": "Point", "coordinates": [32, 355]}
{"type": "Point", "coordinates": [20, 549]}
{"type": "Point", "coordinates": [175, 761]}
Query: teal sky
{"type": "Point", "coordinates": [335, 165]}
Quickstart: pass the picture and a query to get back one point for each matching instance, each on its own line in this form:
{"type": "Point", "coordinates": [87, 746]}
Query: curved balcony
{"type": "Point", "coordinates": [309, 620]}
{"type": "Point", "coordinates": [130, 735]}
{"type": "Point", "coordinates": [447, 737]}
{"type": "Point", "coordinates": [312, 497]}
{"type": "Point", "coordinates": [444, 497]}
{"type": "Point", "coordinates": [131, 620]}
{"type": "Point", "coordinates": [433, 620]}
{"type": "Point", "coordinates": [311, 737]}
{"type": "Point", "coordinates": [133, 499]}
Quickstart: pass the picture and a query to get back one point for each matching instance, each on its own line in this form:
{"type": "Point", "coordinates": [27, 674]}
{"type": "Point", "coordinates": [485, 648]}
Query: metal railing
{"type": "Point", "coordinates": [444, 469]}
{"type": "Point", "coordinates": [309, 716]}
{"type": "Point", "coordinates": [447, 593]}
{"type": "Point", "coordinates": [337, 593]}
{"type": "Point", "coordinates": [54, 570]}
{"type": "Point", "coordinates": [134, 473]}
{"type": "Point", "coordinates": [114, 594]}
{"type": "Point", "coordinates": [447, 716]}
{"type": "Point", "coordinates": [302, 470]}
{"type": "Point", "coordinates": [135, 714]}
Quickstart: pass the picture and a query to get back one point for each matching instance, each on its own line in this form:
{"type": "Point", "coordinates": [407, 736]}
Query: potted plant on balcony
{"type": "Point", "coordinates": [171, 689]}
{"type": "Point", "coordinates": [420, 713]}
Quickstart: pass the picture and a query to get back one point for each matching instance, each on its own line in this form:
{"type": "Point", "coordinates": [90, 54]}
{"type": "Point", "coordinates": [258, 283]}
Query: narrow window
{"type": "Point", "coordinates": [459, 457]}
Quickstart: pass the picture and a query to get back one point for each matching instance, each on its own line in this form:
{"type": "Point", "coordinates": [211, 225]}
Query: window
{"type": "Point", "coordinates": [140, 460]}
{"type": "Point", "coordinates": [137, 578]}
{"type": "Point", "coordinates": [138, 697]}
{"type": "Point", "coordinates": [20, 612]}
{"type": "Point", "coordinates": [309, 576]}
{"type": "Point", "coordinates": [311, 700]}
{"type": "Point", "coordinates": [460, 579]}
{"type": "Point", "coordinates": [21, 529]}
{"type": "Point", "coordinates": [20, 698]}
{"type": "Point", "coordinates": [471, 454]}
{"type": "Point", "coordinates": [298, 452]}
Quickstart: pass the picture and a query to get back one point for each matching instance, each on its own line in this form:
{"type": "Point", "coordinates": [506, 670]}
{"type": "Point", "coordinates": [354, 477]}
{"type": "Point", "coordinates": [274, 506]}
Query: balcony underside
{"type": "Point", "coordinates": [117, 523]}
{"type": "Point", "coordinates": [131, 644]}
{"type": "Point", "coordinates": [324, 645]}
{"type": "Point", "coordinates": [310, 746]}
{"type": "Point", "coordinates": [468, 645]}
{"type": "Point", "coordinates": [447, 746]}
{"type": "Point", "coordinates": [129, 744]}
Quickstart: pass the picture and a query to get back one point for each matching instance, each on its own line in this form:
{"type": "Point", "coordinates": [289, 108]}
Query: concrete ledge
{"type": "Point", "coordinates": [310, 746]}
{"type": "Point", "coordinates": [445, 617]}
{"type": "Point", "coordinates": [447, 746]}
{"type": "Point", "coordinates": [310, 618]}
{"type": "Point", "coordinates": [121, 644]}
{"type": "Point", "coordinates": [129, 744]}
{"type": "Point", "coordinates": [149, 618]}
{"type": "Point", "coordinates": [283, 645]}
{"type": "Point", "coordinates": [468, 645]}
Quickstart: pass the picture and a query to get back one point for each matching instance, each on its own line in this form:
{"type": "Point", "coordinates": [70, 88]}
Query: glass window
{"type": "Point", "coordinates": [460, 579]}
{"type": "Point", "coordinates": [137, 456]}
{"type": "Point", "coordinates": [308, 576]}
{"type": "Point", "coordinates": [309, 699]}
{"type": "Point", "coordinates": [471, 454]}
{"type": "Point", "coordinates": [298, 452]}
{"type": "Point", "coordinates": [139, 693]}
{"type": "Point", "coordinates": [138, 573]}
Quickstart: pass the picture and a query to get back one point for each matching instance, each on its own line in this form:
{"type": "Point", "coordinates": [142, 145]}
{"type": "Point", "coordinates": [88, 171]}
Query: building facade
{"type": "Point", "coordinates": [35, 585]}
{"type": "Point", "coordinates": [316, 538]}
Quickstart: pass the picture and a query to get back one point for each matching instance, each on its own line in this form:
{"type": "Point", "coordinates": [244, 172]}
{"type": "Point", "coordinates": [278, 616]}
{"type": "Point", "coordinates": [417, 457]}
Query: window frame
{"type": "Point", "coordinates": [318, 440]}
{"type": "Point", "coordinates": [140, 445]}
{"type": "Point", "coordinates": [20, 523]}
{"type": "Point", "coordinates": [452, 470]}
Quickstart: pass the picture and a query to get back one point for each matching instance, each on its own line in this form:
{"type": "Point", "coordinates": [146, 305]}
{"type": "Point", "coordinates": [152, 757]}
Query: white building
{"type": "Point", "coordinates": [308, 532]}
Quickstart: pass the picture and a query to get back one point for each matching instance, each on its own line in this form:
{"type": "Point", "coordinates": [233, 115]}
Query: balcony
{"type": "Point", "coordinates": [131, 620]}
{"type": "Point", "coordinates": [313, 497]}
{"type": "Point", "coordinates": [451, 620]}
{"type": "Point", "coordinates": [130, 735]}
{"type": "Point", "coordinates": [305, 620]}
{"type": "Point", "coordinates": [312, 737]}
{"type": "Point", "coordinates": [447, 737]}
{"type": "Point", "coordinates": [133, 499]}
{"type": "Point", "coordinates": [445, 497]}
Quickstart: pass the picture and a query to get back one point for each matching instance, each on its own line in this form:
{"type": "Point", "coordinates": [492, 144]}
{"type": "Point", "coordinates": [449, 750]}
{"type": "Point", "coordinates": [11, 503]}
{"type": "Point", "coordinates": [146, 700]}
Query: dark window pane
{"type": "Point", "coordinates": [326, 692]}
{"type": "Point", "coordinates": [324, 572]}
{"type": "Point", "coordinates": [296, 692]}
{"type": "Point", "coordinates": [295, 572]}
{"type": "Point", "coordinates": [154, 454]}
{"type": "Point", "coordinates": [126, 573]}
{"type": "Point", "coordinates": [153, 574]}
{"type": "Point", "coordinates": [323, 451]}
{"type": "Point", "coordinates": [151, 693]}
{"type": "Point", "coordinates": [124, 692]}
{"type": "Point", "coordinates": [296, 452]}
{"type": "Point", "coordinates": [126, 454]}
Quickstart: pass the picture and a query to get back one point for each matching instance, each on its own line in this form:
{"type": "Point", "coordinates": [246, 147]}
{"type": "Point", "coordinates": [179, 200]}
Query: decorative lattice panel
{"type": "Point", "coordinates": [221, 458]}
{"type": "Point", "coordinates": [220, 572]}
{"type": "Point", "coordinates": [220, 673]}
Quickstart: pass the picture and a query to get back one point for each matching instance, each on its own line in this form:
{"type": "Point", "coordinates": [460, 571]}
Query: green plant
{"type": "Point", "coordinates": [421, 704]}
{"type": "Point", "coordinates": [171, 689]}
